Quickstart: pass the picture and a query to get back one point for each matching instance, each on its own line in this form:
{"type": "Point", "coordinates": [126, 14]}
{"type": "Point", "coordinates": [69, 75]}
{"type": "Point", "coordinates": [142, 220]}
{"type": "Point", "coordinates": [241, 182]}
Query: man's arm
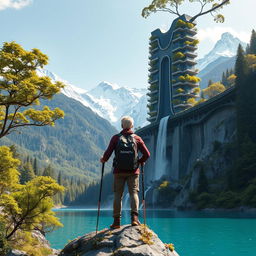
{"type": "Point", "coordinates": [143, 149]}
{"type": "Point", "coordinates": [110, 149]}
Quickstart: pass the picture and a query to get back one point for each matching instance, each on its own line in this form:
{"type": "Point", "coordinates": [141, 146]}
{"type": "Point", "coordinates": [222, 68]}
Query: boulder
{"type": "Point", "coordinates": [125, 241]}
{"type": "Point", "coordinates": [17, 253]}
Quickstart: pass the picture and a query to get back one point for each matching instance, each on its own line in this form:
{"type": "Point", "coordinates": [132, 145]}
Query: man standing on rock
{"type": "Point", "coordinates": [126, 168]}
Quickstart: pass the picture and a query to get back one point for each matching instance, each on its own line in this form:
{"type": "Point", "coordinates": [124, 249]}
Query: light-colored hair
{"type": "Point", "coordinates": [127, 122]}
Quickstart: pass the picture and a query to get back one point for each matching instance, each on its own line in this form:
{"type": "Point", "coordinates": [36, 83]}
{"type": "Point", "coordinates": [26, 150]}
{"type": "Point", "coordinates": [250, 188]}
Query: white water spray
{"type": "Point", "coordinates": [126, 201]}
{"type": "Point", "coordinates": [145, 196]}
{"type": "Point", "coordinates": [160, 160]}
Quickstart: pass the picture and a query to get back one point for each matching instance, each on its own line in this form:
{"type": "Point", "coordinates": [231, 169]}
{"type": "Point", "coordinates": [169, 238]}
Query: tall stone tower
{"type": "Point", "coordinates": [173, 85]}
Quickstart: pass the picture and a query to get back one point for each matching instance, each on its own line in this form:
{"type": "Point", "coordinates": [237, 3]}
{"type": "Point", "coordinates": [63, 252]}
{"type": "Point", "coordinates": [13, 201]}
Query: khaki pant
{"type": "Point", "coordinates": [133, 187]}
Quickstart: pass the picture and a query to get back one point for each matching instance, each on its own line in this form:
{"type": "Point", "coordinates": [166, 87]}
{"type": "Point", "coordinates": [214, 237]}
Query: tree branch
{"type": "Point", "coordinates": [210, 10]}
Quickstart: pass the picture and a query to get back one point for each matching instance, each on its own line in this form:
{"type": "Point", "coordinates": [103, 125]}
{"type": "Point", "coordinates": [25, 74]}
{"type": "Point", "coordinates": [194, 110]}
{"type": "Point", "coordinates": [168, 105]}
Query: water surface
{"type": "Point", "coordinates": [192, 233]}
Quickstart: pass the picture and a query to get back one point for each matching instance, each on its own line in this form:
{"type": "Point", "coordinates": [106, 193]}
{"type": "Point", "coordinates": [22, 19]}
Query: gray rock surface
{"type": "Point", "coordinates": [125, 241]}
{"type": "Point", "coordinates": [16, 253]}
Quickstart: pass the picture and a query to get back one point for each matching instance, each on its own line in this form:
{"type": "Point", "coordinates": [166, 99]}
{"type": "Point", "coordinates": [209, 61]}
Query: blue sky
{"type": "Point", "coordinates": [89, 41]}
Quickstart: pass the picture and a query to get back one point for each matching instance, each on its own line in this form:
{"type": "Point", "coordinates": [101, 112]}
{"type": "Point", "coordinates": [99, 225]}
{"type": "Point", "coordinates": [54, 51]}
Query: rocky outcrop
{"type": "Point", "coordinates": [17, 253]}
{"type": "Point", "coordinates": [126, 241]}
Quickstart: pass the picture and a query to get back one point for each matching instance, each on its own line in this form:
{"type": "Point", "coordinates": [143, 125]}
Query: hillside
{"type": "Point", "coordinates": [74, 145]}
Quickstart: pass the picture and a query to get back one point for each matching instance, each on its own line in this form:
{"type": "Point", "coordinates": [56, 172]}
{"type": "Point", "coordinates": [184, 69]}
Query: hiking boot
{"type": "Point", "coordinates": [116, 223]}
{"type": "Point", "coordinates": [135, 220]}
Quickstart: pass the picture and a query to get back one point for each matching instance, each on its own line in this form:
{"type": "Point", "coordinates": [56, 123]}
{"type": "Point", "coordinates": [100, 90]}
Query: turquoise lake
{"type": "Point", "coordinates": [192, 233]}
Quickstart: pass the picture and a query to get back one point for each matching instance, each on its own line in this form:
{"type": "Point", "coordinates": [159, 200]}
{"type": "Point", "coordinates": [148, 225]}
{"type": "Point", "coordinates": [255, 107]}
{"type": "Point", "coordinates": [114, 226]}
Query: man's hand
{"type": "Point", "coordinates": [102, 160]}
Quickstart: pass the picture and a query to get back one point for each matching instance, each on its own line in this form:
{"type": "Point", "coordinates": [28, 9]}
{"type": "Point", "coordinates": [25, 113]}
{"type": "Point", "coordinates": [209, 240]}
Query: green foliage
{"type": "Point", "coordinates": [9, 175]}
{"type": "Point", "coordinates": [188, 78]}
{"type": "Point", "coordinates": [249, 195]}
{"type": "Point", "coordinates": [27, 173]}
{"type": "Point", "coordinates": [180, 90]}
{"type": "Point", "coordinates": [191, 101]}
{"type": "Point", "coordinates": [173, 7]}
{"type": "Point", "coordinates": [178, 56]}
{"type": "Point", "coordinates": [193, 43]}
{"type": "Point", "coordinates": [213, 90]}
{"type": "Point", "coordinates": [24, 241]}
{"type": "Point", "coordinates": [29, 207]}
{"type": "Point", "coordinates": [77, 155]}
{"type": "Point", "coordinates": [228, 200]}
{"type": "Point", "coordinates": [252, 46]}
{"type": "Point", "coordinates": [4, 246]}
{"type": "Point", "coordinates": [183, 24]}
{"type": "Point", "coordinates": [21, 87]}
{"type": "Point", "coordinates": [204, 200]}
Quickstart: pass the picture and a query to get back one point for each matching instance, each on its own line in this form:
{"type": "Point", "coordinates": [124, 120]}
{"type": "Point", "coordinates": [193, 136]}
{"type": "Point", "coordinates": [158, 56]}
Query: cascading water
{"type": "Point", "coordinates": [126, 201]}
{"type": "Point", "coordinates": [145, 196]}
{"type": "Point", "coordinates": [160, 160]}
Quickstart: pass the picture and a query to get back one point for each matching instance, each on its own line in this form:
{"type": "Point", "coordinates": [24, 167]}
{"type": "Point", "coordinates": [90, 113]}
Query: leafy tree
{"type": "Point", "coordinates": [29, 207]}
{"type": "Point", "coordinates": [21, 87]}
{"type": "Point", "coordinates": [173, 7]}
{"type": "Point", "coordinates": [231, 80]}
{"type": "Point", "coordinates": [9, 176]}
{"type": "Point", "coordinates": [213, 90]}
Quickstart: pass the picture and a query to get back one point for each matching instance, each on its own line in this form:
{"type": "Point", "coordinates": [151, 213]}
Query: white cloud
{"type": "Point", "coordinates": [214, 34]}
{"type": "Point", "coordinates": [16, 4]}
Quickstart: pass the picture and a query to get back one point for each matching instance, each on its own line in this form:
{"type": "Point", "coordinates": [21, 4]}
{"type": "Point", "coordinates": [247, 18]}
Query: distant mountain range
{"type": "Point", "coordinates": [73, 146]}
{"type": "Point", "coordinates": [111, 101]}
{"type": "Point", "coordinates": [219, 59]}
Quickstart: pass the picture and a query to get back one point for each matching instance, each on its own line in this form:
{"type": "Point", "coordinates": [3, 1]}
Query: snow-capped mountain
{"type": "Point", "coordinates": [112, 101]}
{"type": "Point", "coordinates": [115, 101]}
{"type": "Point", "coordinates": [225, 47]}
{"type": "Point", "coordinates": [109, 101]}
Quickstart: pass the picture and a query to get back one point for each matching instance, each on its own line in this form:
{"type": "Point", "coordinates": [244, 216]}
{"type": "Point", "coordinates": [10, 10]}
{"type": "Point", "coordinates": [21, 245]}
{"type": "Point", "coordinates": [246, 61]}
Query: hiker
{"type": "Point", "coordinates": [126, 163]}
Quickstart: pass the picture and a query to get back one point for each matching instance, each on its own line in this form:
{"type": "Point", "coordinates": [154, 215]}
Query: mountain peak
{"type": "Point", "coordinates": [106, 85]}
{"type": "Point", "coordinates": [227, 35]}
{"type": "Point", "coordinates": [225, 47]}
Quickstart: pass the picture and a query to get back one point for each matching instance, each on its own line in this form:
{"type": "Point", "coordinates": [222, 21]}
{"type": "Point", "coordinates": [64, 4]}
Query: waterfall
{"type": "Point", "coordinates": [141, 205]}
{"type": "Point", "coordinates": [126, 202]}
{"type": "Point", "coordinates": [160, 160]}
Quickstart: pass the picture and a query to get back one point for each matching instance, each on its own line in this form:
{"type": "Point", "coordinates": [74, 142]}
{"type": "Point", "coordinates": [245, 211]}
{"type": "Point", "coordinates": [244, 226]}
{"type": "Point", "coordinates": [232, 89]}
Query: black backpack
{"type": "Point", "coordinates": [126, 153]}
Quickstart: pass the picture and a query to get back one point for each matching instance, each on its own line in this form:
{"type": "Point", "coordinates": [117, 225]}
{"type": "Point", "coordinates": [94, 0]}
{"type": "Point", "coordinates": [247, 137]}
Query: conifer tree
{"type": "Point", "coordinates": [35, 167]}
{"type": "Point", "coordinates": [252, 49]}
{"type": "Point", "coordinates": [49, 171]}
{"type": "Point", "coordinates": [27, 173]}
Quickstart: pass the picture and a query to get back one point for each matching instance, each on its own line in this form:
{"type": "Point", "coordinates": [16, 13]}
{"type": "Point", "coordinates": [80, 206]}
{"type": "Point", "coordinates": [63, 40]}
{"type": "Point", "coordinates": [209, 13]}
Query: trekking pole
{"type": "Point", "coordinates": [143, 193]}
{"type": "Point", "coordinates": [101, 181]}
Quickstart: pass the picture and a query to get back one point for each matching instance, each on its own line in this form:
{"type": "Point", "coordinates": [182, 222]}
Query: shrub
{"type": "Point", "coordinates": [178, 55]}
{"type": "Point", "coordinates": [228, 200]}
{"type": "Point", "coordinates": [194, 42]}
{"type": "Point", "coordinates": [204, 200]}
{"type": "Point", "coordinates": [4, 246]}
{"type": "Point", "coordinates": [183, 24]}
{"type": "Point", "coordinates": [180, 90]}
{"type": "Point", "coordinates": [196, 90]}
{"type": "Point", "coordinates": [213, 90]}
{"type": "Point", "coordinates": [249, 195]}
{"type": "Point", "coordinates": [191, 101]}
{"type": "Point", "coordinates": [188, 78]}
